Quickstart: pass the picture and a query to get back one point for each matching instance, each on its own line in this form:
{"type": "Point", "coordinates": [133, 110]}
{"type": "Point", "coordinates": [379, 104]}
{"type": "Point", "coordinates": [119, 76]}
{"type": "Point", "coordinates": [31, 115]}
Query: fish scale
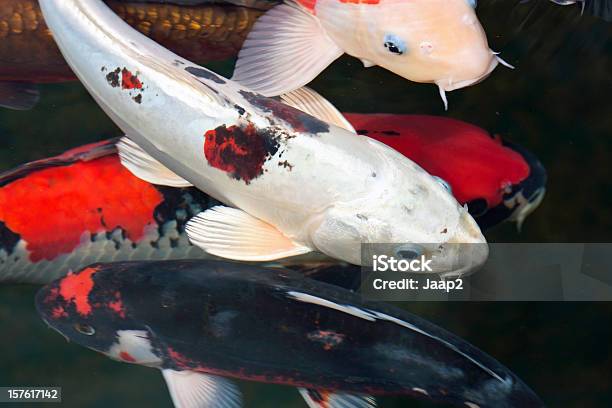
{"type": "Point", "coordinates": [167, 241]}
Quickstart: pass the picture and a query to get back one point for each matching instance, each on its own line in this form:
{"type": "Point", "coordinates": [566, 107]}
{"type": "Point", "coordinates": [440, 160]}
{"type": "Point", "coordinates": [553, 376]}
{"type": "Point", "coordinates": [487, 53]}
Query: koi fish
{"type": "Point", "coordinates": [205, 323]}
{"type": "Point", "coordinates": [197, 30]}
{"type": "Point", "coordinates": [117, 224]}
{"type": "Point", "coordinates": [429, 41]}
{"type": "Point", "coordinates": [295, 184]}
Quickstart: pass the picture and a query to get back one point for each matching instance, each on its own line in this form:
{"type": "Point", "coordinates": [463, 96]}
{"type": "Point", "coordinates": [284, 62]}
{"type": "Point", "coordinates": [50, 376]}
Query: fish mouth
{"type": "Point", "coordinates": [471, 256]}
{"type": "Point", "coordinates": [467, 252]}
{"type": "Point", "coordinates": [448, 84]}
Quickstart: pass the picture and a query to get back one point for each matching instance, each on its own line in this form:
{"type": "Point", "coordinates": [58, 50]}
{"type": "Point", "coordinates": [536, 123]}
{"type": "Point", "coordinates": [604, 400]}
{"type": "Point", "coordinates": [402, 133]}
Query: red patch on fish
{"type": "Point", "coordinates": [117, 305]}
{"type": "Point", "coordinates": [76, 288]}
{"type": "Point", "coordinates": [465, 156]}
{"type": "Point", "coordinates": [52, 208]}
{"type": "Point", "coordinates": [329, 339]}
{"type": "Point", "coordinates": [239, 151]}
{"type": "Point", "coordinates": [308, 4]}
{"type": "Point", "coordinates": [58, 312]}
{"type": "Point", "coordinates": [125, 356]}
{"type": "Point", "coordinates": [180, 360]}
{"type": "Point", "coordinates": [360, 1]}
{"type": "Point", "coordinates": [129, 80]}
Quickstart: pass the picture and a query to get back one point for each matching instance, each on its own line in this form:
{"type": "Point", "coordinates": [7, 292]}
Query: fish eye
{"type": "Point", "coordinates": [394, 44]}
{"type": "Point", "coordinates": [409, 251]}
{"type": "Point", "coordinates": [472, 3]}
{"type": "Point", "coordinates": [84, 329]}
{"type": "Point", "coordinates": [444, 184]}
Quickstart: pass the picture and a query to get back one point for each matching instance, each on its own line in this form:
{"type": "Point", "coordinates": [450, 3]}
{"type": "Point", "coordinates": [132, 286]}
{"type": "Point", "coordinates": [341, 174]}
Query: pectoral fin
{"type": "Point", "coordinates": [145, 167]}
{"type": "Point", "coordinates": [323, 399]}
{"type": "Point", "coordinates": [286, 49]}
{"type": "Point", "coordinates": [18, 95]}
{"type": "Point", "coordinates": [190, 389]}
{"type": "Point", "coordinates": [232, 233]}
{"type": "Point", "coordinates": [311, 102]}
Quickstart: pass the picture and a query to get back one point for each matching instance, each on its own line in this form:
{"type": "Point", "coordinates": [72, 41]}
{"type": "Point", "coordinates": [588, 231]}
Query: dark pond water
{"type": "Point", "coordinates": [556, 103]}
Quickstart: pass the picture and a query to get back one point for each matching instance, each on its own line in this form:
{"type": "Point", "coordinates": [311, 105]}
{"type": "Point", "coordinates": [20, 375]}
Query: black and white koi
{"type": "Point", "coordinates": [203, 323]}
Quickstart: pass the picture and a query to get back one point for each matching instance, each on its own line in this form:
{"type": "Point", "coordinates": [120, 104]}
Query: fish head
{"type": "Point", "coordinates": [87, 309]}
{"type": "Point", "coordinates": [412, 211]}
{"type": "Point", "coordinates": [440, 41]}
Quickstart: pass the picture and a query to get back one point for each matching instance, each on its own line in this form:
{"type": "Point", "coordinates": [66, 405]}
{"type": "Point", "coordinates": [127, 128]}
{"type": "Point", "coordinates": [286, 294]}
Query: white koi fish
{"type": "Point", "coordinates": [429, 41]}
{"type": "Point", "coordinates": [295, 184]}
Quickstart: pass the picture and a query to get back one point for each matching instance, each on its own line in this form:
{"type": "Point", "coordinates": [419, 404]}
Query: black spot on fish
{"type": "Point", "coordinates": [298, 120]}
{"type": "Point", "coordinates": [390, 132]}
{"type": "Point", "coordinates": [206, 74]}
{"type": "Point", "coordinates": [179, 62]}
{"type": "Point", "coordinates": [362, 131]}
{"type": "Point", "coordinates": [113, 78]}
{"type": "Point", "coordinates": [103, 69]}
{"type": "Point", "coordinates": [286, 165]}
{"type": "Point", "coordinates": [8, 239]}
{"type": "Point", "coordinates": [240, 109]}
{"type": "Point", "coordinates": [179, 198]}
{"type": "Point", "coordinates": [138, 98]}
{"type": "Point", "coordinates": [240, 151]}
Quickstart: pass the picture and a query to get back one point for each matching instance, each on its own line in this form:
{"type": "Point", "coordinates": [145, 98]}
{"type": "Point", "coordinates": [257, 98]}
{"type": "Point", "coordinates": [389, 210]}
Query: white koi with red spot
{"type": "Point", "coordinates": [297, 184]}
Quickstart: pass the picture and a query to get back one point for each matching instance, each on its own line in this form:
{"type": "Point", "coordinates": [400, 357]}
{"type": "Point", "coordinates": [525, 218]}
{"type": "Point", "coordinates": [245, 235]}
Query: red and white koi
{"type": "Point", "coordinates": [429, 41]}
{"type": "Point", "coordinates": [296, 184]}
{"type": "Point", "coordinates": [94, 210]}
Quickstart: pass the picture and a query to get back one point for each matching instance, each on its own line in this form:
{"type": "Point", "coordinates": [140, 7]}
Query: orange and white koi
{"type": "Point", "coordinates": [429, 41]}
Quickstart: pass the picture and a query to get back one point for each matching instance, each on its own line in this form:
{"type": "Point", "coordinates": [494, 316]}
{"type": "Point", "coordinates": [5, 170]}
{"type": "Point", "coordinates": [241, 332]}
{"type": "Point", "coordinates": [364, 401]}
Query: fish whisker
{"type": "Point", "coordinates": [443, 96]}
{"type": "Point", "coordinates": [504, 63]}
